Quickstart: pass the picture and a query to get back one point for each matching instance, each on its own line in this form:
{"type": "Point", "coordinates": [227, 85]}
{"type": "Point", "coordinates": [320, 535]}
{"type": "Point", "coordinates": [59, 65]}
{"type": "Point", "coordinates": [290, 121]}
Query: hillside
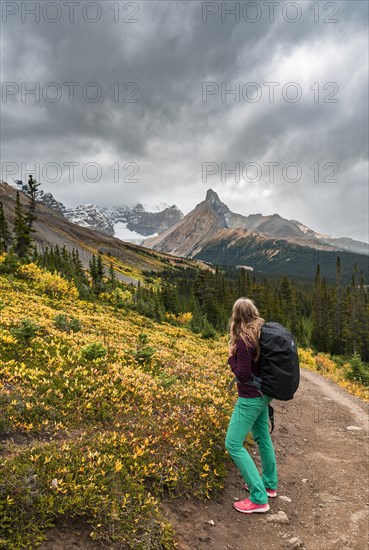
{"type": "Point", "coordinates": [53, 229]}
{"type": "Point", "coordinates": [93, 426]}
{"type": "Point", "coordinates": [104, 424]}
{"type": "Point", "coordinates": [272, 256]}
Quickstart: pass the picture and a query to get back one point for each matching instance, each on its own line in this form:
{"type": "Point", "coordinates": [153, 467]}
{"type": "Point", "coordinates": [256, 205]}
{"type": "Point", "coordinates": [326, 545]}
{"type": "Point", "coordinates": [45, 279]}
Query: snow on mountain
{"type": "Point", "coordinates": [91, 215]}
{"type": "Point", "coordinates": [122, 232]}
{"type": "Point", "coordinates": [126, 223]}
{"type": "Point", "coordinates": [149, 207]}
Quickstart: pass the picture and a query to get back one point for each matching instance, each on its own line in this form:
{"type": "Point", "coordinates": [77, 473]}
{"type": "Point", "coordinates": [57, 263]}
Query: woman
{"type": "Point", "coordinates": [251, 409]}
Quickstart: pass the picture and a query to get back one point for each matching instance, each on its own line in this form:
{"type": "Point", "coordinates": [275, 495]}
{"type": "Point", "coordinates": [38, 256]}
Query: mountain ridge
{"type": "Point", "coordinates": [145, 227]}
{"type": "Point", "coordinates": [272, 225]}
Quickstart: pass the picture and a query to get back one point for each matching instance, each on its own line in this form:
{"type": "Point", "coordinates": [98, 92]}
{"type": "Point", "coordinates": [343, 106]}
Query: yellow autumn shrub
{"type": "Point", "coordinates": [325, 365]}
{"type": "Point", "coordinates": [180, 318]}
{"type": "Point", "coordinates": [118, 297]}
{"type": "Point", "coordinates": [51, 284]}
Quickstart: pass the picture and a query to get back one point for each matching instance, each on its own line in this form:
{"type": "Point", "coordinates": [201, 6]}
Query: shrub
{"type": "Point", "coordinates": [25, 331]}
{"type": "Point", "coordinates": [52, 284]}
{"type": "Point", "coordinates": [55, 286]}
{"type": "Point", "coordinates": [9, 263]}
{"type": "Point", "coordinates": [92, 351]}
{"type": "Point", "coordinates": [357, 371]}
{"type": "Point", "coordinates": [179, 319]}
{"type": "Point", "coordinates": [30, 272]}
{"type": "Point", "coordinates": [75, 324]}
{"type": "Point", "coordinates": [143, 352]}
{"type": "Point", "coordinates": [62, 322]}
{"type": "Point", "coordinates": [118, 297]}
{"type": "Point", "coordinates": [208, 330]}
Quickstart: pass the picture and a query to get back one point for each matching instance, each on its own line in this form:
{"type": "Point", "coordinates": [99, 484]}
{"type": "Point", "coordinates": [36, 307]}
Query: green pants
{"type": "Point", "coordinates": [251, 414]}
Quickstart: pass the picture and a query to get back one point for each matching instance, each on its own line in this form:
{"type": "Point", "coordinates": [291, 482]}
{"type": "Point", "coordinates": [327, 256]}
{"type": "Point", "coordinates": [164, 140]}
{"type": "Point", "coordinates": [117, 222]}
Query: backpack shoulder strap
{"type": "Point", "coordinates": [271, 417]}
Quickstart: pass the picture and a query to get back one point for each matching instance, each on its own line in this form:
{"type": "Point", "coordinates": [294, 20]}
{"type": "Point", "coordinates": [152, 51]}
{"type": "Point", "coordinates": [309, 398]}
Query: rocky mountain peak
{"type": "Point", "coordinates": [211, 195]}
{"type": "Point", "coordinates": [212, 199]}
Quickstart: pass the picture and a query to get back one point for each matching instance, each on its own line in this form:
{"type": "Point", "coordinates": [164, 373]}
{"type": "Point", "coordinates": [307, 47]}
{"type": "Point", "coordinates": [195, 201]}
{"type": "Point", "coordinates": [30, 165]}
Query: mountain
{"type": "Point", "coordinates": [53, 228]}
{"type": "Point", "coordinates": [48, 200]}
{"type": "Point", "coordinates": [131, 224]}
{"type": "Point", "coordinates": [271, 244]}
{"type": "Point", "coordinates": [92, 216]}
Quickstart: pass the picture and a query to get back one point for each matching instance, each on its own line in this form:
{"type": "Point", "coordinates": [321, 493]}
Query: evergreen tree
{"type": "Point", "coordinates": [112, 276]}
{"type": "Point", "coordinates": [317, 311]}
{"type": "Point", "coordinates": [33, 193]}
{"type": "Point", "coordinates": [21, 230]}
{"type": "Point", "coordinates": [335, 321]}
{"type": "Point", "coordinates": [5, 235]}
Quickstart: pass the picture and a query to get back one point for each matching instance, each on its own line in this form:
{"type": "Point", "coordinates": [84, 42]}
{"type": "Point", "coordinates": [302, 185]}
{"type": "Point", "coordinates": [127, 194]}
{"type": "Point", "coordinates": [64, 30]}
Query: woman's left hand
{"type": "Point", "coordinates": [232, 350]}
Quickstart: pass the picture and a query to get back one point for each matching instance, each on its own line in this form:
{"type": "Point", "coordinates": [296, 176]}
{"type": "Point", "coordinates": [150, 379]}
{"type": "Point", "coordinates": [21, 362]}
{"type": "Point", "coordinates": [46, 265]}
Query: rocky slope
{"type": "Point", "coordinates": [164, 227]}
{"type": "Point", "coordinates": [133, 224]}
{"type": "Point", "coordinates": [54, 229]}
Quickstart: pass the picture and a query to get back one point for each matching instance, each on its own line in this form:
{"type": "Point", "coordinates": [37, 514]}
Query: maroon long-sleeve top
{"type": "Point", "coordinates": [243, 364]}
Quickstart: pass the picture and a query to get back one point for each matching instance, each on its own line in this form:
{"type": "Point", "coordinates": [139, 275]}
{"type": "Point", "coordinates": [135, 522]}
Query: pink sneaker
{"type": "Point", "coordinates": [248, 507]}
{"type": "Point", "coordinates": [270, 492]}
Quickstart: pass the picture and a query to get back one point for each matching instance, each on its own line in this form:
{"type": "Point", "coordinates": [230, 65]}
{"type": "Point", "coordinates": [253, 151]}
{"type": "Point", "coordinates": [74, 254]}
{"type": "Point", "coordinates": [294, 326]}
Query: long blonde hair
{"type": "Point", "coordinates": [246, 323]}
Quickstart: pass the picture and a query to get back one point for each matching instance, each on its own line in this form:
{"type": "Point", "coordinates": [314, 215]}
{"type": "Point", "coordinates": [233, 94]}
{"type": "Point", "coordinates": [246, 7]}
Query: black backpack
{"type": "Point", "coordinates": [279, 362]}
{"type": "Point", "coordinates": [279, 365]}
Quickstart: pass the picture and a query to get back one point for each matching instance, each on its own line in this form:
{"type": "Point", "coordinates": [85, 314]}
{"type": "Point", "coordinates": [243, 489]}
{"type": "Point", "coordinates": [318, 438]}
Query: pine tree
{"type": "Point", "coordinates": [100, 267]}
{"type": "Point", "coordinates": [21, 230]}
{"type": "Point", "coordinates": [112, 276]}
{"type": "Point", "coordinates": [97, 273]}
{"type": "Point", "coordinates": [335, 321]}
{"type": "Point", "coordinates": [317, 311]}
{"type": "Point", "coordinates": [357, 371]}
{"type": "Point", "coordinates": [5, 235]}
{"type": "Point", "coordinates": [33, 194]}
{"type": "Point", "coordinates": [93, 270]}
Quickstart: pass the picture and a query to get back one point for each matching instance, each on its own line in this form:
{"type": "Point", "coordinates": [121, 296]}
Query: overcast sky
{"type": "Point", "coordinates": [158, 109]}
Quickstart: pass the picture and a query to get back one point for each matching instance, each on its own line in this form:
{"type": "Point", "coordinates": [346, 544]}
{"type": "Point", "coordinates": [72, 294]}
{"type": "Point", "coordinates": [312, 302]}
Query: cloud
{"type": "Point", "coordinates": [169, 133]}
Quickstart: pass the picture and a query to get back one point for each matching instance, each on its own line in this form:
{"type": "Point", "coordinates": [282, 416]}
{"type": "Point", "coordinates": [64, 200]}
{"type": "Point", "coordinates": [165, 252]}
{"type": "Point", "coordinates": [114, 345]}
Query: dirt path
{"type": "Point", "coordinates": [323, 469]}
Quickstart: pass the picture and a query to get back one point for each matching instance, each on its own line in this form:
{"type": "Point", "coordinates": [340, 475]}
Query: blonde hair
{"type": "Point", "coordinates": [246, 323]}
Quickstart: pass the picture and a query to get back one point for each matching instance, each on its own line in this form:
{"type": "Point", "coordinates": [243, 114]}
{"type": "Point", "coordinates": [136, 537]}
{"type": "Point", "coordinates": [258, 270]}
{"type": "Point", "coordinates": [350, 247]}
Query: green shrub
{"type": "Point", "coordinates": [92, 351]}
{"type": "Point", "coordinates": [143, 352]}
{"type": "Point", "coordinates": [75, 324]}
{"type": "Point", "coordinates": [358, 371]}
{"type": "Point", "coordinates": [25, 331]}
{"type": "Point", "coordinates": [208, 330]}
{"type": "Point", "coordinates": [62, 322]}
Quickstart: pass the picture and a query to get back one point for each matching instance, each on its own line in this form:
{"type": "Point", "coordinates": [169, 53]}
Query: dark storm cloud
{"type": "Point", "coordinates": [170, 132]}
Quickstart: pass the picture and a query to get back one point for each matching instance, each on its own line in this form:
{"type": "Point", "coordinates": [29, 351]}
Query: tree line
{"type": "Point", "coordinates": [329, 317]}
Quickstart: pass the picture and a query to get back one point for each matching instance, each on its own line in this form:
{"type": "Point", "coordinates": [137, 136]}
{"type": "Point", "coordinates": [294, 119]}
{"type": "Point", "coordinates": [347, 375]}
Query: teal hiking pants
{"type": "Point", "coordinates": [251, 414]}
